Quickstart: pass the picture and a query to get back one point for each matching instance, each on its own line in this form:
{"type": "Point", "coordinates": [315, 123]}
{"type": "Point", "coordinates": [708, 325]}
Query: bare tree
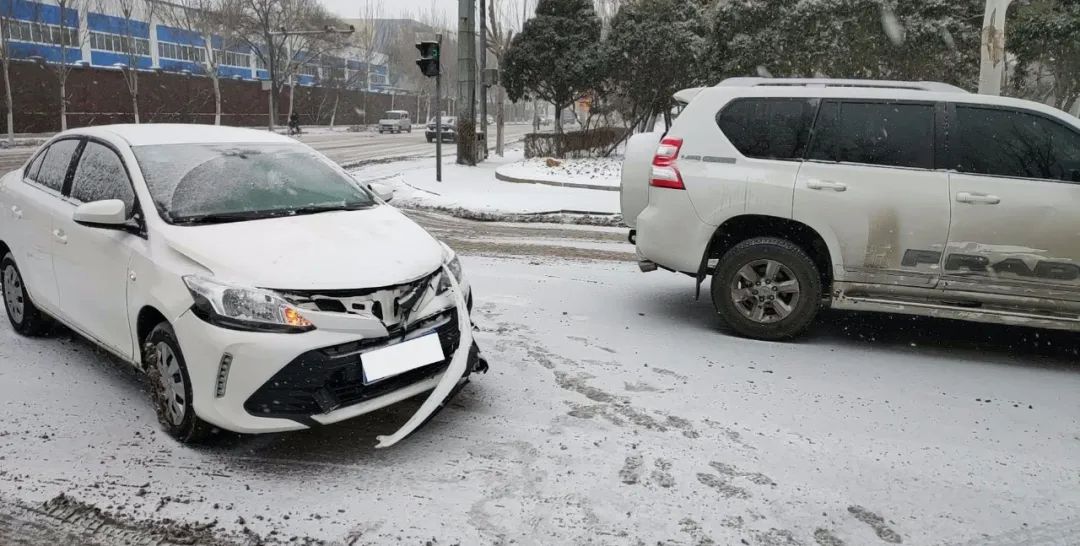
{"type": "Point", "coordinates": [282, 53]}
{"type": "Point", "coordinates": [7, 15]}
{"type": "Point", "coordinates": [370, 43]}
{"type": "Point", "coordinates": [217, 23]}
{"type": "Point", "coordinates": [132, 44]}
{"type": "Point", "coordinates": [65, 34]}
{"type": "Point", "coordinates": [504, 21]}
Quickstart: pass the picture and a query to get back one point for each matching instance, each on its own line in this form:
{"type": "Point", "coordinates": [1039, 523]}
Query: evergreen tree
{"type": "Point", "coordinates": [556, 56]}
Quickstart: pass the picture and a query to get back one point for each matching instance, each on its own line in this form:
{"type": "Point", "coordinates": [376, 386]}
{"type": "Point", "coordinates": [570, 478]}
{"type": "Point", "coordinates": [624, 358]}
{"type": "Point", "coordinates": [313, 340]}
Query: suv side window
{"type": "Point", "coordinates": [101, 175]}
{"type": "Point", "coordinates": [1014, 143]}
{"type": "Point", "coordinates": [57, 162]}
{"type": "Point", "coordinates": [887, 134]}
{"type": "Point", "coordinates": [768, 128]}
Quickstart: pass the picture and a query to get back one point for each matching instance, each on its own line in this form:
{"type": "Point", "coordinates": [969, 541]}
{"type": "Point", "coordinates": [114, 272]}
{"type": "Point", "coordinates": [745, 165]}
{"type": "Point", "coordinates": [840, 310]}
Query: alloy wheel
{"type": "Point", "coordinates": [765, 291]}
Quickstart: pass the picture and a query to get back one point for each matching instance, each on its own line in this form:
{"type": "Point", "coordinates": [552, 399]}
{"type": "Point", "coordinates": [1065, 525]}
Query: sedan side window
{"type": "Point", "coordinates": [101, 175]}
{"type": "Point", "coordinates": [32, 171]}
{"type": "Point", "coordinates": [55, 166]}
{"type": "Point", "coordinates": [1015, 144]}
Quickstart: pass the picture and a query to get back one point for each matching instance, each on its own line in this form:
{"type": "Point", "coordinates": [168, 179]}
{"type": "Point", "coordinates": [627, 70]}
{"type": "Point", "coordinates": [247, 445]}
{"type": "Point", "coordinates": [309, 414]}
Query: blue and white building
{"type": "Point", "coordinates": [99, 37]}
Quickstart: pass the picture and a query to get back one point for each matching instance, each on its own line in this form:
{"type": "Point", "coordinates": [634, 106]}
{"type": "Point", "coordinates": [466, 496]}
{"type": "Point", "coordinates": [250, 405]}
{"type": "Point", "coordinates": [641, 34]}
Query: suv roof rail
{"type": "Point", "coordinates": [829, 82]}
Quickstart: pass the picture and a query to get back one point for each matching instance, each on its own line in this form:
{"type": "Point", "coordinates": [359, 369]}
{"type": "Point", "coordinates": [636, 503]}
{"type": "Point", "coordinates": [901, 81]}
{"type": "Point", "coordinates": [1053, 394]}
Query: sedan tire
{"type": "Point", "coordinates": [171, 386]}
{"type": "Point", "coordinates": [25, 317]}
{"type": "Point", "coordinates": [767, 288]}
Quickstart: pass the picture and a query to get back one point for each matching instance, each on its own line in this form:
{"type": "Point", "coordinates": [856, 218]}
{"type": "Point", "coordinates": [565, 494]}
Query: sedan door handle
{"type": "Point", "coordinates": [977, 198]}
{"type": "Point", "coordinates": [16, 212]}
{"type": "Point", "coordinates": [815, 184]}
{"type": "Point", "coordinates": [61, 237]}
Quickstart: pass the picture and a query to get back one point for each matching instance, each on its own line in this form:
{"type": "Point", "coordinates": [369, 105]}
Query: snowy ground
{"type": "Point", "coordinates": [477, 190]}
{"type": "Point", "coordinates": [599, 172]}
{"type": "Point", "coordinates": [617, 411]}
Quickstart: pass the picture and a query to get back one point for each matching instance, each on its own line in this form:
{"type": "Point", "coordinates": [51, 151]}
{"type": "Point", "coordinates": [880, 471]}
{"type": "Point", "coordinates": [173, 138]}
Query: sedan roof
{"type": "Point", "coordinates": [148, 134]}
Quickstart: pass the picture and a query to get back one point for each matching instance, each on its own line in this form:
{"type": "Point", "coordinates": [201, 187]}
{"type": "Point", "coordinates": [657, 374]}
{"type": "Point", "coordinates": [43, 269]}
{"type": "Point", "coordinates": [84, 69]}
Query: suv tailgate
{"type": "Point", "coordinates": [636, 172]}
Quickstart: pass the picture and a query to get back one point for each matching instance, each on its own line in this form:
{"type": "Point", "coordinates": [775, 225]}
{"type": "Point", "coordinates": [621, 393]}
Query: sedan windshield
{"type": "Point", "coordinates": [208, 183]}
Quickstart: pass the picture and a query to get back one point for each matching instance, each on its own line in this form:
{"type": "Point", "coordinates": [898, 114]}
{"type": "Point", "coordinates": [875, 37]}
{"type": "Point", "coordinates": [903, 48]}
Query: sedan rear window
{"type": "Point", "coordinates": [232, 182]}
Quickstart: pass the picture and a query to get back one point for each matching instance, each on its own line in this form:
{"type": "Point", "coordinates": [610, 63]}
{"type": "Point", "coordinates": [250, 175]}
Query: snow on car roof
{"type": "Point", "coordinates": [148, 134]}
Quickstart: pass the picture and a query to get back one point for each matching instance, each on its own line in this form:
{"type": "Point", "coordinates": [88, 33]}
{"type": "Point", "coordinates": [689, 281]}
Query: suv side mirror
{"type": "Point", "coordinates": [108, 214]}
{"type": "Point", "coordinates": [384, 192]}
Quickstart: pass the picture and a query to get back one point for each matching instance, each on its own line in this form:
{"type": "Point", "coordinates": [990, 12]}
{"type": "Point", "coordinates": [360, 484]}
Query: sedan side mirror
{"type": "Point", "coordinates": [384, 192]}
{"type": "Point", "coordinates": [110, 213]}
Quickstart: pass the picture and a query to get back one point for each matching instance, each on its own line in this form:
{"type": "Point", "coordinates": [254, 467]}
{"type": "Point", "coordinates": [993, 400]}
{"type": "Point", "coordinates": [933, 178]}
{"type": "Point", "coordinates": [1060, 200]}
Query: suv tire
{"type": "Point", "coordinates": [24, 316]}
{"type": "Point", "coordinates": [767, 288]}
{"type": "Point", "coordinates": [170, 386]}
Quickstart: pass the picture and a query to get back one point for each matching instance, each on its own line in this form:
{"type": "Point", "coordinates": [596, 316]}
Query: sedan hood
{"type": "Point", "coordinates": [368, 248]}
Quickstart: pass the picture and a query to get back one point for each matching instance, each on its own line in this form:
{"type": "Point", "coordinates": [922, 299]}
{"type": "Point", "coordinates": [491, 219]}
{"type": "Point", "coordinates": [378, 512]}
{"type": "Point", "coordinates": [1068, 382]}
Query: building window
{"type": "Point", "coordinates": [40, 33]}
{"type": "Point", "coordinates": [232, 58]}
{"type": "Point", "coordinates": [181, 52]}
{"type": "Point", "coordinates": [308, 70]}
{"type": "Point", "coordinates": [116, 43]}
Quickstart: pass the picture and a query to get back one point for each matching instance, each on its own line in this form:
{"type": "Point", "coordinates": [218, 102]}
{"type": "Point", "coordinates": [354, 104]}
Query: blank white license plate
{"type": "Point", "coordinates": [400, 358]}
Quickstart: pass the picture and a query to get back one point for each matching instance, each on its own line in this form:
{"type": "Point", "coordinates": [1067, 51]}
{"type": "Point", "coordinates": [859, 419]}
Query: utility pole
{"type": "Point", "coordinates": [466, 116]}
{"type": "Point", "coordinates": [992, 62]}
{"type": "Point", "coordinates": [483, 83]}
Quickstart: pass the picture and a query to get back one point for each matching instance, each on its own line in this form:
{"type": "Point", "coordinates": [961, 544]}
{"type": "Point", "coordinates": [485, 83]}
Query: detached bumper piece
{"type": "Point", "coordinates": [324, 380]}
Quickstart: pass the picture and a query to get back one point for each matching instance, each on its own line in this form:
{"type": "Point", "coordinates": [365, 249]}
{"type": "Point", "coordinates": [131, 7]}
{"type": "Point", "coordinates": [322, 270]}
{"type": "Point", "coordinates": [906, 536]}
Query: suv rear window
{"type": "Point", "coordinates": [1013, 143]}
{"type": "Point", "coordinates": [768, 128]}
{"type": "Point", "coordinates": [875, 133]}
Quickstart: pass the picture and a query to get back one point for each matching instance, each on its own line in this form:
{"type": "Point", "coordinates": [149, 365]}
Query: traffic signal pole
{"type": "Point", "coordinates": [430, 63]}
{"type": "Point", "coordinates": [438, 119]}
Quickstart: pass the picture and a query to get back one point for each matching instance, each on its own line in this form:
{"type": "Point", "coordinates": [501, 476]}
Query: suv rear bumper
{"type": "Point", "coordinates": [670, 233]}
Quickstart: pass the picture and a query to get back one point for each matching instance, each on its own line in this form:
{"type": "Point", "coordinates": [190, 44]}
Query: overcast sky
{"type": "Point", "coordinates": [393, 8]}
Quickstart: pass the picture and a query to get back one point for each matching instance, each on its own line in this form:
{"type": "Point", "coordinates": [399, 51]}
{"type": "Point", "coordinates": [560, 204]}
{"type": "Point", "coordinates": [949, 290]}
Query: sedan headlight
{"type": "Point", "coordinates": [242, 308]}
{"type": "Point", "coordinates": [452, 264]}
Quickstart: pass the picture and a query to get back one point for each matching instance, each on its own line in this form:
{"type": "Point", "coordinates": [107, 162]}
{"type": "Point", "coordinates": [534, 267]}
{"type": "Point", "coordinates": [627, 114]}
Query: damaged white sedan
{"type": "Point", "coordinates": [260, 286]}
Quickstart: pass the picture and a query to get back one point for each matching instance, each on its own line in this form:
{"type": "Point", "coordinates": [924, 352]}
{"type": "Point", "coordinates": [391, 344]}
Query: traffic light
{"type": "Point", "coordinates": [429, 58]}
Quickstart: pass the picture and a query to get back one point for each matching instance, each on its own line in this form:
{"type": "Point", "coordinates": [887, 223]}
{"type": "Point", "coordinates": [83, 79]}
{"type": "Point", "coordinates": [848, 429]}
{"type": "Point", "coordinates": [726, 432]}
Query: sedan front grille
{"type": "Point", "coordinates": [323, 380]}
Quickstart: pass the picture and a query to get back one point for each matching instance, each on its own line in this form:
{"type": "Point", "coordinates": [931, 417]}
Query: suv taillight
{"type": "Point", "coordinates": [664, 172]}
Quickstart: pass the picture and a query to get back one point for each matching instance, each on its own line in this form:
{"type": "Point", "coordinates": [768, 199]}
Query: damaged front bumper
{"type": "Point", "coordinates": [283, 382]}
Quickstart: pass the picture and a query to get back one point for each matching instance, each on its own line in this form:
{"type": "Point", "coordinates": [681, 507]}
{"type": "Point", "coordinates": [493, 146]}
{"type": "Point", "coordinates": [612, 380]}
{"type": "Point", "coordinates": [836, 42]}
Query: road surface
{"type": "Point", "coordinates": [343, 147]}
{"type": "Point", "coordinates": [618, 410]}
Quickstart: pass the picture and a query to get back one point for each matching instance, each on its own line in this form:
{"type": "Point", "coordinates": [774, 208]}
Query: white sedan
{"type": "Point", "coordinates": [260, 286]}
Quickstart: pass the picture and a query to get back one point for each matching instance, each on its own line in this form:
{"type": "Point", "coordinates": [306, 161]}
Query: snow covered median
{"type": "Point", "coordinates": [600, 173]}
{"type": "Point", "coordinates": [475, 192]}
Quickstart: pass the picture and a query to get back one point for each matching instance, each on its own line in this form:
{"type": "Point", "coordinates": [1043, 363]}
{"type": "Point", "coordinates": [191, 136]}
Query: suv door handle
{"type": "Point", "coordinates": [61, 237]}
{"type": "Point", "coordinates": [977, 198]}
{"type": "Point", "coordinates": [16, 212]}
{"type": "Point", "coordinates": [816, 184]}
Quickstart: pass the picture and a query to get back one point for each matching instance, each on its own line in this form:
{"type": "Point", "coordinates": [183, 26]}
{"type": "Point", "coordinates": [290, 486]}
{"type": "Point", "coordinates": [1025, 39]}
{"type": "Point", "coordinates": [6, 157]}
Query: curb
{"type": "Point", "coordinates": [576, 185]}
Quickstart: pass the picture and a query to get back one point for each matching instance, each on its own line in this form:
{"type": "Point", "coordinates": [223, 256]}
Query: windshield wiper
{"type": "Point", "coordinates": [243, 216]}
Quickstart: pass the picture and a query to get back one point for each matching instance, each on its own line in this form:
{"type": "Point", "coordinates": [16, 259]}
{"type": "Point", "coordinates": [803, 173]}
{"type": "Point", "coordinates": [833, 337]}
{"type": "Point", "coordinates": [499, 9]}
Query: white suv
{"type": "Point", "coordinates": [259, 285]}
{"type": "Point", "coordinates": [901, 197]}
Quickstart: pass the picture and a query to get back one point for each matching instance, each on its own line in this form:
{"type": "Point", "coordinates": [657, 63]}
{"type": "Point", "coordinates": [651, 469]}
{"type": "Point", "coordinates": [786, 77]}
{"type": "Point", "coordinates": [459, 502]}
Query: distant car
{"type": "Point", "coordinates": [449, 129]}
{"type": "Point", "coordinates": [901, 197]}
{"type": "Point", "coordinates": [395, 121]}
{"type": "Point", "coordinates": [261, 287]}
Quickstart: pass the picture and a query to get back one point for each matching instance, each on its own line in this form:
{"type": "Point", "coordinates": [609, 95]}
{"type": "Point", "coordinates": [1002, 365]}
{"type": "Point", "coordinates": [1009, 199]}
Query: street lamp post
{"type": "Point", "coordinates": [992, 63]}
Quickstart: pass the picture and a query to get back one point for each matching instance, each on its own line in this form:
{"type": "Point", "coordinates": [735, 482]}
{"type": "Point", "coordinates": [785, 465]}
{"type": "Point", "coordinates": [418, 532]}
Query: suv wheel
{"type": "Point", "coordinates": [171, 386]}
{"type": "Point", "coordinates": [25, 317]}
{"type": "Point", "coordinates": [767, 288]}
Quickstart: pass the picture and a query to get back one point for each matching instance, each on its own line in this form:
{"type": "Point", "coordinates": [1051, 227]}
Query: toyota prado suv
{"type": "Point", "coordinates": [900, 197]}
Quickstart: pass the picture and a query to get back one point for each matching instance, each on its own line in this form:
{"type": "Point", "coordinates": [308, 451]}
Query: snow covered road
{"type": "Point", "coordinates": [617, 411]}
